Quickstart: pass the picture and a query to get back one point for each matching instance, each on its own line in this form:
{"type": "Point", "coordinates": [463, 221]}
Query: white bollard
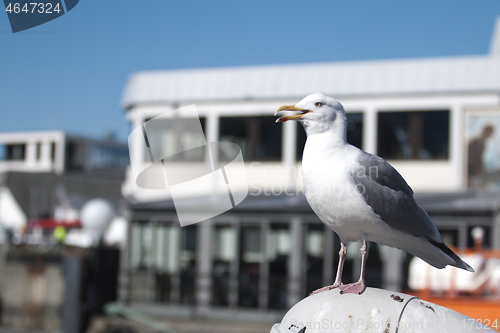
{"type": "Point", "coordinates": [375, 310]}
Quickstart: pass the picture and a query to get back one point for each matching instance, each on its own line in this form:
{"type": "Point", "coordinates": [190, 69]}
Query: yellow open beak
{"type": "Point", "coordinates": [292, 117]}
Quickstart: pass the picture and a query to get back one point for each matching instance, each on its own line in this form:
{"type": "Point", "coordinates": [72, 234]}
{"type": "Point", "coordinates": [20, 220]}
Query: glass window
{"type": "Point", "coordinates": [415, 135]}
{"type": "Point", "coordinates": [354, 133]}
{"type": "Point", "coordinates": [279, 246]}
{"type": "Point", "coordinates": [258, 137]}
{"type": "Point", "coordinates": [224, 253]}
{"type": "Point", "coordinates": [251, 257]}
{"type": "Point", "coordinates": [95, 156]}
{"type": "Point", "coordinates": [315, 248]}
{"type": "Point", "coordinates": [166, 255]}
{"type": "Point", "coordinates": [75, 156]}
{"type": "Point", "coordinates": [104, 156]}
{"type": "Point", "coordinates": [166, 261]}
{"type": "Point", "coordinates": [166, 138]}
{"type": "Point", "coordinates": [355, 129]}
{"type": "Point", "coordinates": [140, 258]}
{"type": "Point", "coordinates": [13, 152]}
{"type": "Point", "coordinates": [3, 152]}
{"type": "Point", "coordinates": [187, 262]}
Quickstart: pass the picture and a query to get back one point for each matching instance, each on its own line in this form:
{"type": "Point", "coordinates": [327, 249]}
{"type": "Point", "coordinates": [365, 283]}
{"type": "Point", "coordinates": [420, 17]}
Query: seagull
{"type": "Point", "coordinates": [360, 196]}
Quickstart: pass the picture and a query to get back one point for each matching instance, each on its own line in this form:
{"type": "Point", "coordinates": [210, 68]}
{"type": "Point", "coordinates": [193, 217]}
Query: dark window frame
{"type": "Point", "coordinates": [15, 152]}
{"type": "Point", "coordinates": [418, 138]}
{"type": "Point", "coordinates": [261, 132]}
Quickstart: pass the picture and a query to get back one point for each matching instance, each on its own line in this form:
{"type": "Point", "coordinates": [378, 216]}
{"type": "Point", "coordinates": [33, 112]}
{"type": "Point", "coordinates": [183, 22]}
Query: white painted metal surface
{"type": "Point", "coordinates": [375, 310]}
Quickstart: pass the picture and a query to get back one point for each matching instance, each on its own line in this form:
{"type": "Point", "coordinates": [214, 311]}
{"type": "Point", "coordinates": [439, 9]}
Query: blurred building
{"type": "Point", "coordinates": [45, 179]}
{"type": "Point", "coordinates": [52, 174]}
{"type": "Point", "coordinates": [437, 120]}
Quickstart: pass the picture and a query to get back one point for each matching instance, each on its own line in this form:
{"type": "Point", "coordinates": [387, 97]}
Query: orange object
{"type": "Point", "coordinates": [482, 309]}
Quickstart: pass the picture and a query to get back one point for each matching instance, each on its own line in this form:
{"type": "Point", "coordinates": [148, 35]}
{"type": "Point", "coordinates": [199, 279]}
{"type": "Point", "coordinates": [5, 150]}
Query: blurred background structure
{"type": "Point", "coordinates": [426, 116]}
{"type": "Point", "coordinates": [436, 119]}
{"type": "Point", "coordinates": [45, 180]}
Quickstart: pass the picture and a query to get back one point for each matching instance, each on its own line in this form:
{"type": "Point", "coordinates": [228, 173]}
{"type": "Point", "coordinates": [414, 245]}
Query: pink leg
{"type": "Point", "coordinates": [338, 278]}
{"type": "Point", "coordinates": [358, 287]}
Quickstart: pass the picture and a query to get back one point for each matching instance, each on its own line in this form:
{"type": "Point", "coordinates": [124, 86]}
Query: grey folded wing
{"type": "Point", "coordinates": [390, 197]}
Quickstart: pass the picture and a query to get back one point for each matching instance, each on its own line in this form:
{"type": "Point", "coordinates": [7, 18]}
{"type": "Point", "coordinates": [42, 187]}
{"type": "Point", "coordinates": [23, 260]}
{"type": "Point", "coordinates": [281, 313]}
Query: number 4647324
{"type": "Point", "coordinates": [33, 7]}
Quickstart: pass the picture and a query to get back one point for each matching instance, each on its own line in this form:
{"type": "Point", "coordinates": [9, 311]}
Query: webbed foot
{"type": "Point", "coordinates": [353, 288]}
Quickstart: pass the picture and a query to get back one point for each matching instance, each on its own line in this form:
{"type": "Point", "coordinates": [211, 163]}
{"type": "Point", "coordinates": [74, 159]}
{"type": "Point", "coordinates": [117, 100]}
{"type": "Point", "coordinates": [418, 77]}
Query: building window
{"type": "Point", "coordinates": [163, 262]}
{"type": "Point", "coordinates": [224, 254]}
{"type": "Point", "coordinates": [354, 133]}
{"type": "Point", "coordinates": [415, 135]}
{"type": "Point", "coordinates": [103, 156]}
{"type": "Point", "coordinates": [75, 156]}
{"type": "Point", "coordinates": [13, 152]}
{"type": "Point", "coordinates": [315, 255]}
{"type": "Point", "coordinates": [279, 248]}
{"type": "Point", "coordinates": [166, 137]}
{"type": "Point", "coordinates": [258, 137]}
{"type": "Point", "coordinates": [250, 258]}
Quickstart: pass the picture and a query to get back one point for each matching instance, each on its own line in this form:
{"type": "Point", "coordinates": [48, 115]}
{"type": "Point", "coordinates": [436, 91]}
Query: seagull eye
{"type": "Point", "coordinates": [318, 104]}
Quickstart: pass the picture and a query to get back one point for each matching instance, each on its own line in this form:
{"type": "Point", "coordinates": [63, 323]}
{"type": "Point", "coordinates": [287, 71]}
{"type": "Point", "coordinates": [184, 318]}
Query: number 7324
{"type": "Point", "coordinates": [477, 323]}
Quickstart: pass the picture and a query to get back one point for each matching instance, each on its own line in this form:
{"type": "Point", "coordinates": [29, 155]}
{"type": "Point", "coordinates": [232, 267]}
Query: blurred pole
{"type": "Point", "coordinates": [370, 130]}
{"type": "Point", "coordinates": [91, 280]}
{"type": "Point", "coordinates": [125, 263]}
{"type": "Point", "coordinates": [288, 153]}
{"type": "Point", "coordinates": [295, 261]}
{"type": "Point", "coordinates": [392, 267]}
{"type": "Point", "coordinates": [495, 234]}
{"type": "Point", "coordinates": [264, 267]}
{"type": "Point", "coordinates": [235, 266]}
{"type": "Point", "coordinates": [328, 258]}
{"type": "Point", "coordinates": [204, 268]}
{"type": "Point", "coordinates": [72, 309]}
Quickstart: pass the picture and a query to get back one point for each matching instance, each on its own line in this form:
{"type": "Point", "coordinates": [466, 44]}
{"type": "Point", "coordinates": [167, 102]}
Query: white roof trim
{"type": "Point", "coordinates": [25, 136]}
{"type": "Point", "coordinates": [367, 78]}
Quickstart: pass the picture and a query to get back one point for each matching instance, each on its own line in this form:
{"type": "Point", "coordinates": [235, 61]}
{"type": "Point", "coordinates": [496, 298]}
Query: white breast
{"type": "Point", "coordinates": [332, 194]}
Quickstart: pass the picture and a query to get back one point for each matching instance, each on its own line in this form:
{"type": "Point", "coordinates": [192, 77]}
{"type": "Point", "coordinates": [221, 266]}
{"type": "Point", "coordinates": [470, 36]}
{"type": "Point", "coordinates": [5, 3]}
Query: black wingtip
{"type": "Point", "coordinates": [467, 266]}
{"type": "Point", "coordinates": [459, 263]}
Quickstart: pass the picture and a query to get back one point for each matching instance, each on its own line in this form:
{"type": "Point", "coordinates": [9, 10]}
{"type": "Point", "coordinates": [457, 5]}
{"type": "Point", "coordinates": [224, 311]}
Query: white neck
{"type": "Point", "coordinates": [322, 145]}
{"type": "Point", "coordinates": [326, 137]}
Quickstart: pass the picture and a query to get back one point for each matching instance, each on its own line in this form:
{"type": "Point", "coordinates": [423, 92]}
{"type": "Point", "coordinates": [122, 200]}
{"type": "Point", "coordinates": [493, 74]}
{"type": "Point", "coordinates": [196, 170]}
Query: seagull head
{"type": "Point", "coordinates": [317, 113]}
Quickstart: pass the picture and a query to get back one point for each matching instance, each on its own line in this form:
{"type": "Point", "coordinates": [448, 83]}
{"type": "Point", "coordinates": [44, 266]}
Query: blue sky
{"type": "Point", "coordinates": [70, 73]}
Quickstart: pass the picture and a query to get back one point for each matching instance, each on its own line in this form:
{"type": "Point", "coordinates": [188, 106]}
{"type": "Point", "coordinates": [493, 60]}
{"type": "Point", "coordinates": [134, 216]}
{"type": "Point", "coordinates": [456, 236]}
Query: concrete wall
{"type": "Point", "coordinates": [31, 294]}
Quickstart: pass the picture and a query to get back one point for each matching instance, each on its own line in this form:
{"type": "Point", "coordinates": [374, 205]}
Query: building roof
{"type": "Point", "coordinates": [23, 136]}
{"type": "Point", "coordinates": [447, 75]}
